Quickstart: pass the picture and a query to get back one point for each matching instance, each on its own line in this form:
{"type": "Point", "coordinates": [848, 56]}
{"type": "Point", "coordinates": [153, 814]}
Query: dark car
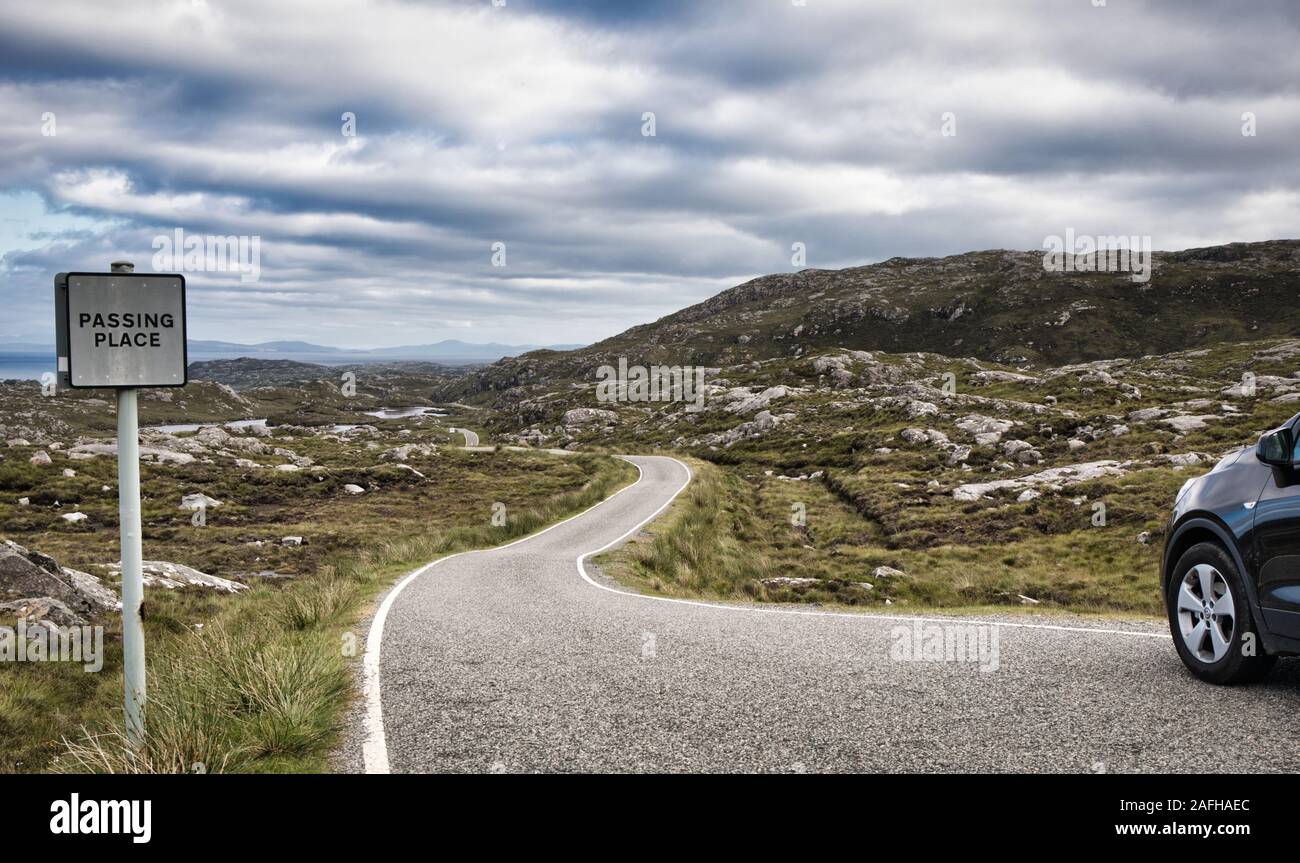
{"type": "Point", "coordinates": [1231, 567]}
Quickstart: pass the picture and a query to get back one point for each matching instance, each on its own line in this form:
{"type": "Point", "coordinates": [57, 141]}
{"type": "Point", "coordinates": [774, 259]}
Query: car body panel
{"type": "Point", "coordinates": [1253, 509]}
{"type": "Point", "coordinates": [1277, 541]}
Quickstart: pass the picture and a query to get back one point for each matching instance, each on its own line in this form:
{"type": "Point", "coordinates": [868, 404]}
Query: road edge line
{"type": "Point", "coordinates": [898, 618]}
{"type": "Point", "coordinates": [374, 746]}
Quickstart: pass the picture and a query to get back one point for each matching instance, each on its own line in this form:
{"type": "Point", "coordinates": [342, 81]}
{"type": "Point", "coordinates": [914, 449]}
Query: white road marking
{"type": "Point", "coordinates": [374, 749]}
{"type": "Point", "coordinates": [582, 571]}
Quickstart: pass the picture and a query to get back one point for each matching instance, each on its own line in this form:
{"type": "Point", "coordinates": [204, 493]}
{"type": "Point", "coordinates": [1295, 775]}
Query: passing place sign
{"type": "Point", "coordinates": [121, 329]}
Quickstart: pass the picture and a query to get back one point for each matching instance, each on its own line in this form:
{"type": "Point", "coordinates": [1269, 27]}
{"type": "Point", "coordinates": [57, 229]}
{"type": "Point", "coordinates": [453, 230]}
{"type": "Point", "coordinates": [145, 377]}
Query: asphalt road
{"type": "Point", "coordinates": [509, 659]}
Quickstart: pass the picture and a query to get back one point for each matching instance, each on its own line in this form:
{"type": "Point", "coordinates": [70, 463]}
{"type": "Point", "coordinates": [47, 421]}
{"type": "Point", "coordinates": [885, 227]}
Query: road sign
{"type": "Point", "coordinates": [124, 330]}
{"type": "Point", "coordinates": [120, 329]}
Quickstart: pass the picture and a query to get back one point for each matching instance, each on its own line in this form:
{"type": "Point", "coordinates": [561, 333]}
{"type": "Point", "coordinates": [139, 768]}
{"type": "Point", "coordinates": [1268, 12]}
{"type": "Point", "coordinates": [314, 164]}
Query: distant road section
{"type": "Point", "coordinates": [471, 438]}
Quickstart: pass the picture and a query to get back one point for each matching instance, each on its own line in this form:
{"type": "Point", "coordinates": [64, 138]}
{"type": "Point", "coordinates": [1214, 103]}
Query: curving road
{"type": "Point", "coordinates": [518, 659]}
{"type": "Point", "coordinates": [471, 438]}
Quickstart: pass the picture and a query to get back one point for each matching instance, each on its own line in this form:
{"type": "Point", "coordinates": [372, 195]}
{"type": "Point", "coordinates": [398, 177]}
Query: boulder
{"type": "Point", "coordinates": [788, 581]}
{"type": "Point", "coordinates": [587, 416]}
{"type": "Point", "coordinates": [198, 500]}
{"type": "Point", "coordinates": [212, 436]}
{"type": "Point", "coordinates": [1189, 423]}
{"type": "Point", "coordinates": [916, 435]}
{"type": "Point", "coordinates": [754, 402]}
{"type": "Point", "coordinates": [161, 573]}
{"type": "Point", "coordinates": [1011, 447]}
{"type": "Point", "coordinates": [40, 458]}
{"type": "Point", "coordinates": [1063, 476]}
{"type": "Point", "coordinates": [1184, 459]}
{"type": "Point", "coordinates": [986, 430]}
{"type": "Point", "coordinates": [25, 574]}
{"type": "Point", "coordinates": [350, 488]}
{"type": "Point", "coordinates": [406, 451]}
{"type": "Point", "coordinates": [252, 445]}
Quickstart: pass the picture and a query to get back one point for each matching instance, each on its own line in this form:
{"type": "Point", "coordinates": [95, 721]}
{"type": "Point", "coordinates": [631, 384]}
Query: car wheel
{"type": "Point", "coordinates": [1210, 619]}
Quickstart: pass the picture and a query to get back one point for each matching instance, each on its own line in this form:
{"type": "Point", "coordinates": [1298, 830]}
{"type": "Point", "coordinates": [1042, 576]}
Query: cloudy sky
{"type": "Point", "coordinates": [524, 124]}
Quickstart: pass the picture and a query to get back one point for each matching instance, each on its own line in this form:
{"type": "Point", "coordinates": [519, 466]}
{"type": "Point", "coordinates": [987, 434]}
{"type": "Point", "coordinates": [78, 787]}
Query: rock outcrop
{"type": "Point", "coordinates": [29, 576]}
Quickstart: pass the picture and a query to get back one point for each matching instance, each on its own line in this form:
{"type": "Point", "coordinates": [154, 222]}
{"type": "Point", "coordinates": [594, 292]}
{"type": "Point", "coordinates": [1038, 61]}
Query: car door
{"type": "Point", "coordinates": [1277, 547]}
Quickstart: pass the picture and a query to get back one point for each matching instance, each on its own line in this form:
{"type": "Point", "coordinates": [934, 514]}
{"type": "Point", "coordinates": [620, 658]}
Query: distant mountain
{"type": "Point", "coordinates": [454, 349]}
{"type": "Point", "coordinates": [996, 305]}
{"type": "Point", "coordinates": [449, 351]}
{"type": "Point", "coordinates": [201, 346]}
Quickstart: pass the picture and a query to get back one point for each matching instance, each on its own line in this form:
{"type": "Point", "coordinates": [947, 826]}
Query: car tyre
{"type": "Point", "coordinates": [1210, 618]}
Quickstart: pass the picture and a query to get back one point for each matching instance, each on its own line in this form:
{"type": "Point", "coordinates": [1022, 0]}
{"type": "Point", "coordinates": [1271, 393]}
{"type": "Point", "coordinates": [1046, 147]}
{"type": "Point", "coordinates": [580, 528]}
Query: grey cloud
{"type": "Point", "coordinates": [776, 124]}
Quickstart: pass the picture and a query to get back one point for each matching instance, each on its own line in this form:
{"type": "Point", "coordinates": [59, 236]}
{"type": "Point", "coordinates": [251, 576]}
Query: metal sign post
{"type": "Point", "coordinates": [128, 508]}
{"type": "Point", "coordinates": [124, 331]}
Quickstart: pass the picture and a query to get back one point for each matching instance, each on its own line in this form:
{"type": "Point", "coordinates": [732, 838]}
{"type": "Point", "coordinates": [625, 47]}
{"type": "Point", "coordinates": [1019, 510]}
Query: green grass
{"type": "Point", "coordinates": [731, 531]}
{"type": "Point", "coordinates": [707, 544]}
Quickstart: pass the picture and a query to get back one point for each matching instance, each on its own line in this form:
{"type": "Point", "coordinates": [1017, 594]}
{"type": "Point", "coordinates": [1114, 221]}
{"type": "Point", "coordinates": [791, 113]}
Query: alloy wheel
{"type": "Point", "coordinates": [1207, 617]}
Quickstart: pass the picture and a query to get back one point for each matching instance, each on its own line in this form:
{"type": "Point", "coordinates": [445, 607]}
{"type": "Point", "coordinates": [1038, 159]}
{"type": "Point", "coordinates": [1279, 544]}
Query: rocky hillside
{"type": "Point", "coordinates": [964, 482]}
{"type": "Point", "coordinates": [1000, 306]}
{"type": "Point", "coordinates": [248, 372]}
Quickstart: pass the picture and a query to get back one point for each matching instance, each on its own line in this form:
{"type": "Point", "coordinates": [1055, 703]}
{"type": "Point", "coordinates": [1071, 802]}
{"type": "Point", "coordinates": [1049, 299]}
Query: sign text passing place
{"type": "Point", "coordinates": [122, 329]}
